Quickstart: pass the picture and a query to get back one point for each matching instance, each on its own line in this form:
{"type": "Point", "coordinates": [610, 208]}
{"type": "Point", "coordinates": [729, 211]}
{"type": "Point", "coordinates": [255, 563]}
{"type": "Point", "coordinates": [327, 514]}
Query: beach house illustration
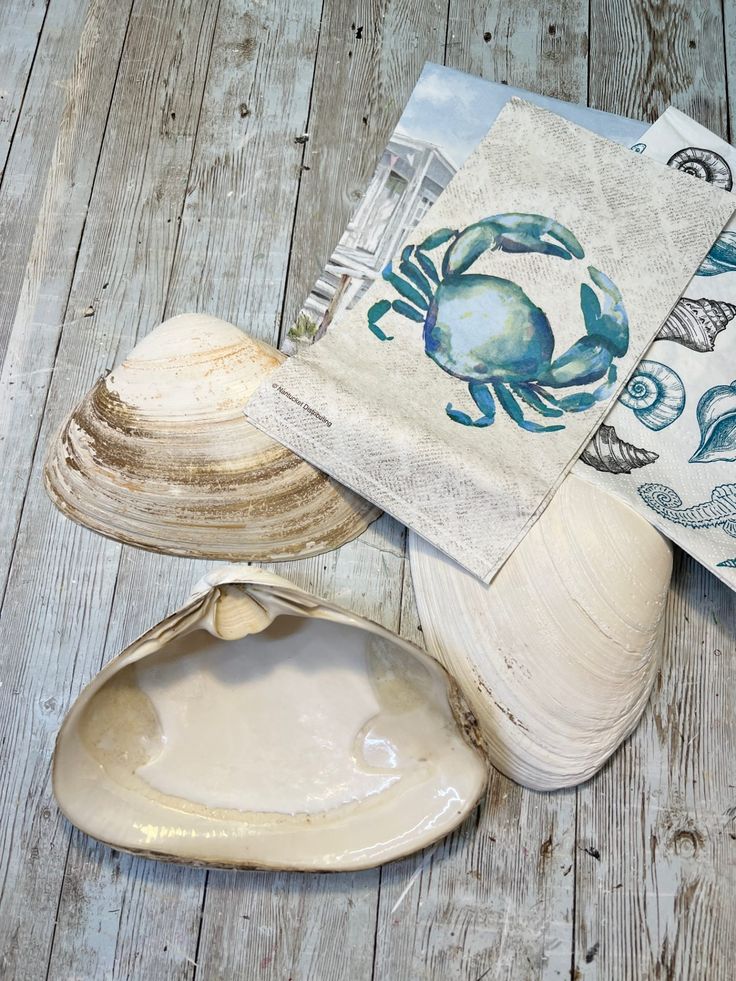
{"type": "Point", "coordinates": [409, 178]}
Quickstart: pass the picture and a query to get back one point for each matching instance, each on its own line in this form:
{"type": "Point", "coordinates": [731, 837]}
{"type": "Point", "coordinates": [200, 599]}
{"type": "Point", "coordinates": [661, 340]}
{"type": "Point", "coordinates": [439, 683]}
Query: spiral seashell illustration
{"type": "Point", "coordinates": [608, 453]}
{"type": "Point", "coordinates": [716, 415]}
{"type": "Point", "coordinates": [639, 147]}
{"type": "Point", "coordinates": [655, 394]}
{"type": "Point", "coordinates": [706, 164]}
{"type": "Point", "coordinates": [697, 323]}
{"type": "Point", "coordinates": [718, 512]}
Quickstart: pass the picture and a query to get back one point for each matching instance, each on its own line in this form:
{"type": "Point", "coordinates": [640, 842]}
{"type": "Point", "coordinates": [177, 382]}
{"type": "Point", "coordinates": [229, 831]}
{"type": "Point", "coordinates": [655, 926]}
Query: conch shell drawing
{"type": "Point", "coordinates": [697, 323]}
{"type": "Point", "coordinates": [655, 394]}
{"type": "Point", "coordinates": [716, 414]}
{"type": "Point", "coordinates": [609, 453]}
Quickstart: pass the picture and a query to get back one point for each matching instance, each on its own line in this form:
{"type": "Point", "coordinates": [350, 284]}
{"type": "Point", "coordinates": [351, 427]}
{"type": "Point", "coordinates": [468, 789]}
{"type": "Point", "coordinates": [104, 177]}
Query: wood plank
{"type": "Point", "coordinates": [656, 876]}
{"type": "Point", "coordinates": [55, 613]}
{"type": "Point", "coordinates": [279, 926]}
{"type": "Point", "coordinates": [496, 898]}
{"type": "Point", "coordinates": [30, 156]}
{"type": "Point", "coordinates": [371, 54]}
{"type": "Point", "coordinates": [21, 23]}
{"type": "Point", "coordinates": [541, 46]}
{"type": "Point", "coordinates": [655, 881]}
{"type": "Point", "coordinates": [37, 323]}
{"type": "Point", "coordinates": [150, 913]}
{"type": "Point", "coordinates": [729, 69]}
{"type": "Point", "coordinates": [646, 55]}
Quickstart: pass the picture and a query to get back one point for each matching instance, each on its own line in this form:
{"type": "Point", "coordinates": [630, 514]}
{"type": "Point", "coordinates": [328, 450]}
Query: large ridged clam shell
{"type": "Point", "coordinates": [160, 455]}
{"type": "Point", "coordinates": [558, 655]}
{"type": "Point", "coordinates": [261, 727]}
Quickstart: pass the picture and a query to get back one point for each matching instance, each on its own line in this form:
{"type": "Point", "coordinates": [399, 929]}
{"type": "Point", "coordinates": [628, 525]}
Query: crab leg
{"type": "Point", "coordinates": [527, 393]}
{"type": "Point", "coordinates": [414, 275]}
{"type": "Point", "coordinates": [509, 403]}
{"type": "Point", "coordinates": [483, 399]}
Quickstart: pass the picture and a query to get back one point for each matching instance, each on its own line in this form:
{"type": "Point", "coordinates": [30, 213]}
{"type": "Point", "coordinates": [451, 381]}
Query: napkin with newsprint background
{"type": "Point", "coordinates": [460, 389]}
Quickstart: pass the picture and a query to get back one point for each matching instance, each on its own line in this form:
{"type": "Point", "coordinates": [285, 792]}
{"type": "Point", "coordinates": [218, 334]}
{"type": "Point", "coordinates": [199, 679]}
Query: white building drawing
{"type": "Point", "coordinates": [410, 176]}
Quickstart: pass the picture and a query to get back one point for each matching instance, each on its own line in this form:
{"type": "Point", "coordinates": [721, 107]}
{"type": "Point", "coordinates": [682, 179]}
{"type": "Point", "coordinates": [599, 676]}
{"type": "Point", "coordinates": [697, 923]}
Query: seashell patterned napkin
{"type": "Point", "coordinates": [668, 446]}
{"type": "Point", "coordinates": [459, 391]}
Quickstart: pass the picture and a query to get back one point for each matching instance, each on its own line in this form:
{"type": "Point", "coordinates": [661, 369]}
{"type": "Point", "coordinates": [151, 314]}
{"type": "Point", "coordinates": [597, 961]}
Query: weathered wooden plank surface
{"type": "Point", "coordinates": [60, 589]}
{"type": "Point", "coordinates": [29, 158]}
{"type": "Point", "coordinates": [21, 22]}
{"type": "Point", "coordinates": [496, 898]}
{"type": "Point", "coordinates": [202, 201]}
{"type": "Point", "coordinates": [36, 321]}
{"type": "Point", "coordinates": [656, 859]}
{"type": "Point", "coordinates": [541, 45]}
{"type": "Point", "coordinates": [646, 55]}
{"type": "Point", "coordinates": [300, 926]}
{"type": "Point", "coordinates": [655, 867]}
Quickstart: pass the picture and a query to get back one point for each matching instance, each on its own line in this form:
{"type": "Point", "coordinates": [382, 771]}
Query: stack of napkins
{"type": "Point", "coordinates": [459, 389]}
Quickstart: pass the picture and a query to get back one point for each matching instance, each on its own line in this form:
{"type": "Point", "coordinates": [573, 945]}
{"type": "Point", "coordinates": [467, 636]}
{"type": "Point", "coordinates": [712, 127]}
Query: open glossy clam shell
{"type": "Point", "coordinates": [160, 455]}
{"type": "Point", "coordinates": [260, 727]}
{"type": "Point", "coordinates": [558, 655]}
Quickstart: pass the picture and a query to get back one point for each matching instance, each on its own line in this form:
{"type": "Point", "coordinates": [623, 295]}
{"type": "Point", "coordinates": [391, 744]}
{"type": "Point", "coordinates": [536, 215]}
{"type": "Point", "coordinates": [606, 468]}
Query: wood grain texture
{"type": "Point", "coordinates": [21, 23]}
{"type": "Point", "coordinates": [202, 200]}
{"type": "Point", "coordinates": [371, 54]}
{"type": "Point", "coordinates": [30, 155]}
{"type": "Point", "coordinates": [300, 926]}
{"type": "Point", "coordinates": [541, 46]}
{"type": "Point", "coordinates": [656, 855]}
{"type": "Point", "coordinates": [496, 898]}
{"type": "Point", "coordinates": [646, 55]}
{"type": "Point", "coordinates": [60, 590]}
{"type": "Point", "coordinates": [37, 322]}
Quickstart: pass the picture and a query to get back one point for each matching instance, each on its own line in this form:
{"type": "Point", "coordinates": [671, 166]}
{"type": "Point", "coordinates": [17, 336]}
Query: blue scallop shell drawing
{"type": "Point", "coordinates": [718, 512]}
{"type": "Point", "coordinates": [716, 415]}
{"type": "Point", "coordinates": [655, 394]}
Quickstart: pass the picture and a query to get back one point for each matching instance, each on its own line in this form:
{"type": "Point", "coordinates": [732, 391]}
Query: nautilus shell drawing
{"type": "Point", "coordinates": [697, 323]}
{"type": "Point", "coordinates": [655, 394]}
{"type": "Point", "coordinates": [608, 453]}
{"type": "Point", "coordinates": [706, 164]}
{"type": "Point", "coordinates": [716, 415]}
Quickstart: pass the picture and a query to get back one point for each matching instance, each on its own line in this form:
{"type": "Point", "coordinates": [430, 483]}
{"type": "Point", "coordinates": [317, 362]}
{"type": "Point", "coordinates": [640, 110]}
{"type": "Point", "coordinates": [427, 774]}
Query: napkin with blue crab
{"type": "Point", "coordinates": [668, 446]}
{"type": "Point", "coordinates": [459, 391]}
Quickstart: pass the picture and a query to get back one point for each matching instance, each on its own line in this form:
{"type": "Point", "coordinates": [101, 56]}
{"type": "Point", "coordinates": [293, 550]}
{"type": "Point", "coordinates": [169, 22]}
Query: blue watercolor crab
{"type": "Point", "coordinates": [486, 331]}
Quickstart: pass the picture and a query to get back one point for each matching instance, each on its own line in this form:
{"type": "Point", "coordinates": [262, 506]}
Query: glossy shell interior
{"type": "Point", "coordinates": [160, 455]}
{"type": "Point", "coordinates": [259, 727]}
{"type": "Point", "coordinates": [558, 655]}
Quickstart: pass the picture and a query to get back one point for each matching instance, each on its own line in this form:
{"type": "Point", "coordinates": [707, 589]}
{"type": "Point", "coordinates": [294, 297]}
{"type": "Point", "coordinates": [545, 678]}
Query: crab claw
{"type": "Point", "coordinates": [511, 233]}
{"type": "Point", "coordinates": [606, 321]}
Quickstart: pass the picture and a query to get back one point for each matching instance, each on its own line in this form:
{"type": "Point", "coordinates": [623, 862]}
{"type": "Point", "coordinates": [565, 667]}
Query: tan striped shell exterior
{"type": "Point", "coordinates": [159, 455]}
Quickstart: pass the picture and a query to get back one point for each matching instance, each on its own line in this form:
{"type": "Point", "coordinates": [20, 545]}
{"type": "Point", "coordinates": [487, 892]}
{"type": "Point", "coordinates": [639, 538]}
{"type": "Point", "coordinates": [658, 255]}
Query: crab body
{"type": "Point", "coordinates": [487, 331]}
{"type": "Point", "coordinates": [484, 328]}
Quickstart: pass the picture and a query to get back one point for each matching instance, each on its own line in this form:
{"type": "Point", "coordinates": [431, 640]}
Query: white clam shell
{"type": "Point", "coordinates": [260, 727]}
{"type": "Point", "coordinates": [160, 455]}
{"type": "Point", "coordinates": [558, 655]}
